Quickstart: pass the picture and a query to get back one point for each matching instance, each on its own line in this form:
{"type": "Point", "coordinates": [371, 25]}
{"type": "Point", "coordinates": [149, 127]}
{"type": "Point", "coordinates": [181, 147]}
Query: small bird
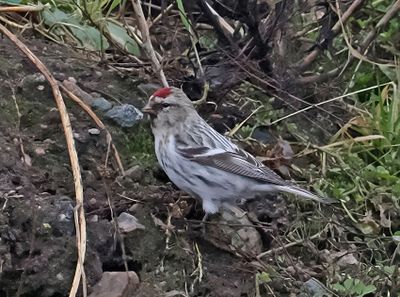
{"type": "Point", "coordinates": [204, 163]}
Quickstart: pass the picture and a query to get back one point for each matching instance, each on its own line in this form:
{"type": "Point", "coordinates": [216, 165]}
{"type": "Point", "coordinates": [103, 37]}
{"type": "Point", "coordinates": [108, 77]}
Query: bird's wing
{"type": "Point", "coordinates": [237, 162]}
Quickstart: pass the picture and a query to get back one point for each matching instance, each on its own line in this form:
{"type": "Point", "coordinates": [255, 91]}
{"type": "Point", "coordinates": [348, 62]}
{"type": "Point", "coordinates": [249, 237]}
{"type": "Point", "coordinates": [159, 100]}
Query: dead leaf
{"type": "Point", "coordinates": [385, 221]}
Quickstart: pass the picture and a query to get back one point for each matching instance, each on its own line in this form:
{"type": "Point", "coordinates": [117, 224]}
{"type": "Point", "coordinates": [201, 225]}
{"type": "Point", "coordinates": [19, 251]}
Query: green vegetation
{"type": "Point", "coordinates": [138, 146]}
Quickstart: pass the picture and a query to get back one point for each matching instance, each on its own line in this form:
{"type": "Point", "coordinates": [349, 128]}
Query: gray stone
{"type": "Point", "coordinates": [128, 223]}
{"type": "Point", "coordinates": [243, 241]}
{"type": "Point", "coordinates": [136, 173]}
{"type": "Point", "coordinates": [314, 288]}
{"type": "Point", "coordinates": [125, 115]}
{"type": "Point", "coordinates": [116, 284]}
{"type": "Point", "coordinates": [94, 131]}
{"type": "Point", "coordinates": [101, 103]}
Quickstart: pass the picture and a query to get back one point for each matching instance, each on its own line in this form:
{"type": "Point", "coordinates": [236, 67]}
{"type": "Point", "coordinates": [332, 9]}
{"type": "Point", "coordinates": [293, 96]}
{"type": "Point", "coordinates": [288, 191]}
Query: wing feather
{"type": "Point", "coordinates": [223, 154]}
{"type": "Point", "coordinates": [239, 163]}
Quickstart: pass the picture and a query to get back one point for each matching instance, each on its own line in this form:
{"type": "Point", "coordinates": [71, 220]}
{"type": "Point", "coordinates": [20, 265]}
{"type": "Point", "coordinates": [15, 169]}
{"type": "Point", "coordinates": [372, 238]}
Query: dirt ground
{"type": "Point", "coordinates": [38, 247]}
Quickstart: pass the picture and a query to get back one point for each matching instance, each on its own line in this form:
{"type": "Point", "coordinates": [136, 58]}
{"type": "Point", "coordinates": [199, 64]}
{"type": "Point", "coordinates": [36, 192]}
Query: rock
{"type": "Point", "coordinates": [93, 219]}
{"type": "Point", "coordinates": [94, 131]}
{"type": "Point", "coordinates": [128, 223]}
{"type": "Point", "coordinates": [116, 284]}
{"type": "Point", "coordinates": [39, 151]}
{"type": "Point", "coordinates": [125, 115]}
{"type": "Point", "coordinates": [136, 173]}
{"type": "Point", "coordinates": [101, 103]}
{"type": "Point", "coordinates": [314, 288]}
{"type": "Point", "coordinates": [98, 74]}
{"type": "Point", "coordinates": [238, 240]}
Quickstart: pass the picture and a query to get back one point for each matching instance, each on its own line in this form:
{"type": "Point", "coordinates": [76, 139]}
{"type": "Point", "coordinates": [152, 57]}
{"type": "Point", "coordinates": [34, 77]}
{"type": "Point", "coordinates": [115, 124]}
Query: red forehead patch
{"type": "Point", "coordinates": [163, 93]}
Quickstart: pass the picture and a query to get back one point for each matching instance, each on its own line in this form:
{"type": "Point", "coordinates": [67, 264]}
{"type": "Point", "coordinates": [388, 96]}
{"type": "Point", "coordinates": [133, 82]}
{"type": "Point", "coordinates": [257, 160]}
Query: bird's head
{"type": "Point", "coordinates": [168, 103]}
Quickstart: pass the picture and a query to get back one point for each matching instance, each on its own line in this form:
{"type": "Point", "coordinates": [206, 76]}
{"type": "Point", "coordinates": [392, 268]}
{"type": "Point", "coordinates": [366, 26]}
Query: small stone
{"type": "Point", "coordinates": [94, 219]}
{"type": "Point", "coordinates": [125, 115]}
{"type": "Point", "coordinates": [98, 74]}
{"type": "Point", "coordinates": [116, 284]}
{"type": "Point", "coordinates": [44, 126]}
{"type": "Point", "coordinates": [71, 79]}
{"type": "Point", "coordinates": [39, 151]}
{"type": "Point", "coordinates": [128, 223]}
{"type": "Point", "coordinates": [93, 201]}
{"type": "Point", "coordinates": [134, 208]}
{"type": "Point", "coordinates": [94, 131]}
{"type": "Point", "coordinates": [136, 173]}
{"type": "Point", "coordinates": [101, 103]}
{"type": "Point", "coordinates": [245, 240]}
{"type": "Point", "coordinates": [40, 87]}
{"type": "Point", "coordinates": [315, 288]}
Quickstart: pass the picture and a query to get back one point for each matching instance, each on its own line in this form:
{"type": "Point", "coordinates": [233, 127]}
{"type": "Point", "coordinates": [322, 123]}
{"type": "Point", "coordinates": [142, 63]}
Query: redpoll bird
{"type": "Point", "coordinates": [202, 162]}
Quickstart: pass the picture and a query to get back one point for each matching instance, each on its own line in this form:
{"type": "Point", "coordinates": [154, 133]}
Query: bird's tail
{"type": "Point", "coordinates": [306, 194]}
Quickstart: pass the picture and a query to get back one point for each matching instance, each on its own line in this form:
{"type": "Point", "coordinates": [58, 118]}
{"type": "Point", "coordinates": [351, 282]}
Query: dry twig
{"type": "Point", "coordinates": [80, 222]}
{"type": "Point", "coordinates": [307, 61]}
{"type": "Point", "coordinates": [390, 13]}
{"type": "Point", "coordinates": [147, 45]}
{"type": "Point", "coordinates": [22, 8]}
{"type": "Point", "coordinates": [98, 122]}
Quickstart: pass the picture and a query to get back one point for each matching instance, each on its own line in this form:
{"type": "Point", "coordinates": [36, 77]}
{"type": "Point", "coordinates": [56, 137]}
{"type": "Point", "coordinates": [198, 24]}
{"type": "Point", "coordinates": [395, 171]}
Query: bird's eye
{"type": "Point", "coordinates": [165, 104]}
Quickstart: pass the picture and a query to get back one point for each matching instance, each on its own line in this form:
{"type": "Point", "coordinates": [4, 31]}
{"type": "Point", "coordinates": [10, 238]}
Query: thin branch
{"type": "Point", "coordinates": [147, 45]}
{"type": "Point", "coordinates": [324, 102]}
{"type": "Point", "coordinates": [98, 122]}
{"type": "Point", "coordinates": [307, 61]}
{"type": "Point", "coordinates": [22, 8]}
{"type": "Point", "coordinates": [290, 244]}
{"type": "Point", "coordinates": [390, 13]}
{"type": "Point", "coordinates": [80, 222]}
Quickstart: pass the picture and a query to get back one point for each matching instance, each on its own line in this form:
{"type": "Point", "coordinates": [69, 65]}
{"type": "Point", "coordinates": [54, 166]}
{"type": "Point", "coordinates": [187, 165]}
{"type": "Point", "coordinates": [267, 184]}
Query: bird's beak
{"type": "Point", "coordinates": [149, 110]}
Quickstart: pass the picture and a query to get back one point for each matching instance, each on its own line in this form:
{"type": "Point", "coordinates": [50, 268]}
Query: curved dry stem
{"type": "Point", "coordinates": [80, 222]}
{"type": "Point", "coordinates": [98, 122]}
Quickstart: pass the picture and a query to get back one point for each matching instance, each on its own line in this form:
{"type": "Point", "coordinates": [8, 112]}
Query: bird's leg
{"type": "Point", "coordinates": [203, 223]}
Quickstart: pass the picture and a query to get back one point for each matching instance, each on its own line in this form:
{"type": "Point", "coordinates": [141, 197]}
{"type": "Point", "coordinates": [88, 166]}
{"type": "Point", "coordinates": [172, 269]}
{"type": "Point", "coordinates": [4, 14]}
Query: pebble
{"type": "Point", "coordinates": [94, 131]}
{"type": "Point", "coordinates": [101, 103]}
{"type": "Point", "coordinates": [136, 173]}
{"type": "Point", "coordinates": [39, 151]}
{"type": "Point", "coordinates": [128, 223]}
{"type": "Point", "coordinates": [94, 219]}
{"type": "Point", "coordinates": [315, 288]}
{"type": "Point", "coordinates": [125, 115]}
{"type": "Point", "coordinates": [116, 284]}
